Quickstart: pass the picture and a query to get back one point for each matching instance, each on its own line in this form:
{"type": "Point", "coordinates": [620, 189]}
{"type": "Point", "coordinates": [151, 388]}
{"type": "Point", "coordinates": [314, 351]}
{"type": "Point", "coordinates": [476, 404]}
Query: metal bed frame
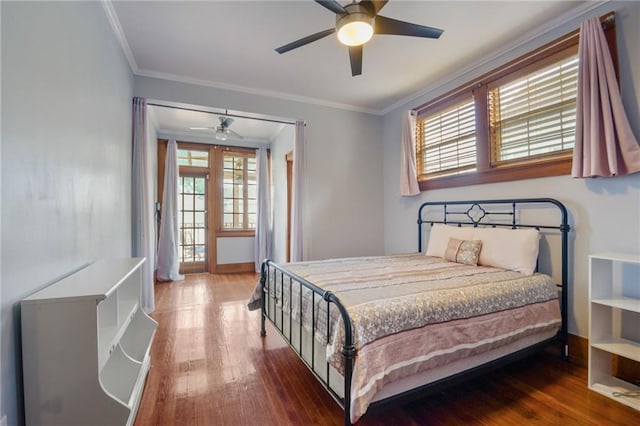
{"type": "Point", "coordinates": [460, 213]}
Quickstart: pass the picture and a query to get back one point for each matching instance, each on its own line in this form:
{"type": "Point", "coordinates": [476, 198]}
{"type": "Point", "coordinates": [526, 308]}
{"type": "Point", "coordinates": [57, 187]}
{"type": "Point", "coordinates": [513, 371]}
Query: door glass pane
{"type": "Point", "coordinates": [188, 202]}
{"type": "Point", "coordinates": [192, 214]}
{"type": "Point", "coordinates": [199, 219]}
{"type": "Point", "coordinates": [199, 203]}
{"type": "Point", "coordinates": [199, 186]}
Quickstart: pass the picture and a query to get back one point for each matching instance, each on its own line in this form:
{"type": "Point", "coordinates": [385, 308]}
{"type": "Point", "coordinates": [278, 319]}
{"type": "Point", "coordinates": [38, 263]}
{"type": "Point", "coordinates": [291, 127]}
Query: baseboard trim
{"type": "Point", "coordinates": [578, 350]}
{"type": "Point", "coordinates": [230, 268]}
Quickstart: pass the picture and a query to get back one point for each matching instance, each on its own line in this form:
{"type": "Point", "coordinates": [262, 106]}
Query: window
{"type": "Point", "coordinates": [535, 115]}
{"type": "Point", "coordinates": [193, 157]}
{"type": "Point", "coordinates": [239, 197]}
{"type": "Point", "coordinates": [516, 122]}
{"type": "Point", "coordinates": [448, 141]}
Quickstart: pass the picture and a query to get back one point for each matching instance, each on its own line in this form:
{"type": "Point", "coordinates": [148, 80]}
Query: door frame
{"type": "Point", "coordinates": [289, 160]}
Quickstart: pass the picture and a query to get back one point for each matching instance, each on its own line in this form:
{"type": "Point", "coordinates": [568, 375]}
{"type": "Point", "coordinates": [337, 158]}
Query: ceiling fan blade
{"type": "Point", "coordinates": [332, 5]}
{"type": "Point", "coordinates": [355, 57]}
{"type": "Point", "coordinates": [201, 128]}
{"type": "Point", "coordinates": [306, 40]}
{"type": "Point", "coordinates": [374, 5]}
{"type": "Point", "coordinates": [234, 134]}
{"type": "Point", "coordinates": [384, 25]}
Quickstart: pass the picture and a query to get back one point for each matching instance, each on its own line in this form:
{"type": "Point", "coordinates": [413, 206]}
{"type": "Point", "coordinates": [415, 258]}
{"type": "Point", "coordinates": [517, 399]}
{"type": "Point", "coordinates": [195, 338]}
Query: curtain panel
{"type": "Point", "coordinates": [297, 194]}
{"type": "Point", "coordinates": [605, 145]}
{"type": "Point", "coordinates": [263, 224]}
{"type": "Point", "coordinates": [408, 171]}
{"type": "Point", "coordinates": [143, 226]}
{"type": "Point", "coordinates": [169, 240]}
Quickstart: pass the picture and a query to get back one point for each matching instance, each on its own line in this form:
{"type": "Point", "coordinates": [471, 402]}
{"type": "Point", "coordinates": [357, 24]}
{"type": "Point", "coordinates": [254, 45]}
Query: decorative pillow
{"type": "Point", "coordinates": [440, 234]}
{"type": "Point", "coordinates": [514, 249]}
{"type": "Point", "coordinates": [463, 251]}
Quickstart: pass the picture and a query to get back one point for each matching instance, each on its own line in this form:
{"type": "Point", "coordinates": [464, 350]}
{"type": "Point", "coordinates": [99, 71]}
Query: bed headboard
{"type": "Point", "coordinates": [544, 214]}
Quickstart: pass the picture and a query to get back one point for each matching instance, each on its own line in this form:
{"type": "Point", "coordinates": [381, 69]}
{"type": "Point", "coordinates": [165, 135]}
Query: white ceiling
{"type": "Point", "coordinates": [230, 44]}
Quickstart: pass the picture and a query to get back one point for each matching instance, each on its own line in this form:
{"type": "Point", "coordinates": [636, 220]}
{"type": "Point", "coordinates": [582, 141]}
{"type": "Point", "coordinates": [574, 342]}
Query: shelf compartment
{"type": "Point", "coordinates": [119, 376]}
{"type": "Point", "coordinates": [110, 330]}
{"type": "Point", "coordinates": [107, 328]}
{"type": "Point", "coordinates": [136, 341]}
{"type": "Point", "coordinates": [623, 347]}
{"type": "Point", "coordinates": [611, 387]}
{"type": "Point", "coordinates": [626, 303]}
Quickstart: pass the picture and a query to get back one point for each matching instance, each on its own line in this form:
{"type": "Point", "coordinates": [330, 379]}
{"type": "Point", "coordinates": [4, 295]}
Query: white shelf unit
{"type": "Point", "coordinates": [614, 322]}
{"type": "Point", "coordinates": [85, 347]}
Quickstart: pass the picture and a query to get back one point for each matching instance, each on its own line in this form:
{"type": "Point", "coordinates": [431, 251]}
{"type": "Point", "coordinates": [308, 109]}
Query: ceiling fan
{"type": "Point", "coordinates": [356, 23]}
{"type": "Point", "coordinates": [222, 130]}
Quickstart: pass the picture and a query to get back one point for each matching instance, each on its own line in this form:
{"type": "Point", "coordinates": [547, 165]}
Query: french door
{"type": "Point", "coordinates": [192, 212]}
{"type": "Point", "coordinates": [217, 206]}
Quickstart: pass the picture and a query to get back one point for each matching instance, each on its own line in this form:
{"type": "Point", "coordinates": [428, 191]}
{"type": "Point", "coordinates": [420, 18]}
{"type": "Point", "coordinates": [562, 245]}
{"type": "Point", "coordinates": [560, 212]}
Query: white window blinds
{"type": "Point", "coordinates": [446, 140]}
{"type": "Point", "coordinates": [536, 114]}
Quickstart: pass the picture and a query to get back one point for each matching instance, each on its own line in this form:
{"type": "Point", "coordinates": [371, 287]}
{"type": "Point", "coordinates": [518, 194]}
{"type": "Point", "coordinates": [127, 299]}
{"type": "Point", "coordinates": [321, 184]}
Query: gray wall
{"type": "Point", "coordinates": [66, 157]}
{"type": "Point", "coordinates": [343, 164]}
{"type": "Point", "coordinates": [66, 153]}
{"type": "Point", "coordinates": [603, 212]}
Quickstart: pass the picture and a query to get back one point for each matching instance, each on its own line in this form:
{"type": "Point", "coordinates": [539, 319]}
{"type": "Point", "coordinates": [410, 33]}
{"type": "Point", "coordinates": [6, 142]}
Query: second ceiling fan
{"type": "Point", "coordinates": [356, 23]}
{"type": "Point", "coordinates": [222, 130]}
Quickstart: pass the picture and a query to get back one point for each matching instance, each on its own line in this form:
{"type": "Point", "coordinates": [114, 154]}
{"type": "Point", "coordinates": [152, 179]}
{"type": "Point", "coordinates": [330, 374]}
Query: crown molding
{"type": "Point", "coordinates": [117, 30]}
{"type": "Point", "coordinates": [255, 91]}
{"type": "Point", "coordinates": [549, 26]}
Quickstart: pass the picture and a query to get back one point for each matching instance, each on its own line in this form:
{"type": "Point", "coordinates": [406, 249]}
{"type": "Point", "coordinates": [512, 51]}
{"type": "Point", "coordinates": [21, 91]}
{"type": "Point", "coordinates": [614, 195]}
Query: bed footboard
{"type": "Point", "coordinates": [278, 284]}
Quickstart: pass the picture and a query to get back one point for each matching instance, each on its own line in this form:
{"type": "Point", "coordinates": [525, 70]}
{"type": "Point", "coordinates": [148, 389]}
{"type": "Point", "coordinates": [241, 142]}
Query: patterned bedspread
{"type": "Point", "coordinates": [391, 294]}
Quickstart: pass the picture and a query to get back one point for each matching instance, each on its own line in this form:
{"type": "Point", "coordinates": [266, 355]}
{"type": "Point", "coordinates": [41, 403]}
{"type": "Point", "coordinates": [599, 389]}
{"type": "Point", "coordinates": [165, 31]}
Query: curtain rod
{"type": "Point", "coordinates": [271, 120]}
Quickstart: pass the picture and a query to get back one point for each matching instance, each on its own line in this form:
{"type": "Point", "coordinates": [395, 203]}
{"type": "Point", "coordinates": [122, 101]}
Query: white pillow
{"type": "Point", "coordinates": [440, 234]}
{"type": "Point", "coordinates": [514, 249]}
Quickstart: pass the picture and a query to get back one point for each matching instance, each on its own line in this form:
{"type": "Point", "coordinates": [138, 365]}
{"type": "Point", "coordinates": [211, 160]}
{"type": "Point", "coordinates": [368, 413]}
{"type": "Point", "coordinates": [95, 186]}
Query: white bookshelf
{"type": "Point", "coordinates": [85, 347]}
{"type": "Point", "coordinates": [614, 322]}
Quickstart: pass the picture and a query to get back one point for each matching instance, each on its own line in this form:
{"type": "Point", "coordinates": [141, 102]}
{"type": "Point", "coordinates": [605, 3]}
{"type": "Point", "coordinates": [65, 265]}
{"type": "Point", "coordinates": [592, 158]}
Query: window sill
{"type": "Point", "coordinates": [556, 167]}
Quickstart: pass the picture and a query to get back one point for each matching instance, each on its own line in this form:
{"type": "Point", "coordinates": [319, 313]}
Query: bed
{"type": "Point", "coordinates": [374, 329]}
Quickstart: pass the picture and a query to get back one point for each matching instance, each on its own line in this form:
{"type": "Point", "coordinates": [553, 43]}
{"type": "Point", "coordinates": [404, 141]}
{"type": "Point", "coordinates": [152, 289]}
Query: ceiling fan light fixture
{"type": "Point", "coordinates": [355, 29]}
{"type": "Point", "coordinates": [221, 135]}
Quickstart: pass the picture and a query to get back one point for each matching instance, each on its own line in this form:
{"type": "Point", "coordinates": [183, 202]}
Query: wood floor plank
{"type": "Point", "coordinates": [211, 367]}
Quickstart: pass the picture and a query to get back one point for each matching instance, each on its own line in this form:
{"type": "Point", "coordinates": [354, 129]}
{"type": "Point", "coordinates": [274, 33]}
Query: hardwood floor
{"type": "Point", "coordinates": [211, 367]}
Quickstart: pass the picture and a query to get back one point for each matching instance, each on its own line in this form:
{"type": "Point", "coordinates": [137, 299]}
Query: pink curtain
{"type": "Point", "coordinates": [605, 145]}
{"type": "Point", "coordinates": [408, 173]}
